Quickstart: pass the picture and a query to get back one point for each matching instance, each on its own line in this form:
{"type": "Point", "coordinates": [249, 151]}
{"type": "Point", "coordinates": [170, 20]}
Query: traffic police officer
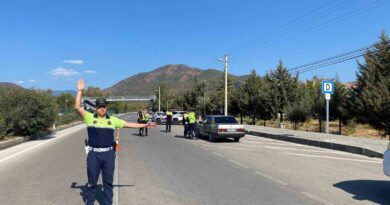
{"type": "Point", "coordinates": [185, 124]}
{"type": "Point", "coordinates": [101, 155]}
{"type": "Point", "coordinates": [192, 125]}
{"type": "Point", "coordinates": [144, 120]}
{"type": "Point", "coordinates": [168, 122]}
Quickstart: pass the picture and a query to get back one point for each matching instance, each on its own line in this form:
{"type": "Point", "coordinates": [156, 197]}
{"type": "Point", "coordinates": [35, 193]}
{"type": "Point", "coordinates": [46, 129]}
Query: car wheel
{"type": "Point", "coordinates": [158, 121]}
{"type": "Point", "coordinates": [197, 134]}
{"type": "Point", "coordinates": [237, 139]}
{"type": "Point", "coordinates": [175, 121]}
{"type": "Point", "coordinates": [211, 137]}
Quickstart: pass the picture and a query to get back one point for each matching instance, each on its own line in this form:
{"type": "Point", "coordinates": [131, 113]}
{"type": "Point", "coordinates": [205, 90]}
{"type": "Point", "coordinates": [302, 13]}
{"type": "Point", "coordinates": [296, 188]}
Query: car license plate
{"type": "Point", "coordinates": [231, 130]}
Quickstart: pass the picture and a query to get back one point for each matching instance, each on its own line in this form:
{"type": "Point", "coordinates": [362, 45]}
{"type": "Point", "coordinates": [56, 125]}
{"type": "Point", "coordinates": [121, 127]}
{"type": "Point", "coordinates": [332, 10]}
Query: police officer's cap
{"type": "Point", "coordinates": [101, 102]}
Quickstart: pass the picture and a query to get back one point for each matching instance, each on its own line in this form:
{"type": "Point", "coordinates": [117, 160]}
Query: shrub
{"type": "Point", "coordinates": [27, 112]}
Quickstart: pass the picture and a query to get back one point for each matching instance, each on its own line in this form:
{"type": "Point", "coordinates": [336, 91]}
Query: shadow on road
{"type": "Point", "coordinates": [138, 135]}
{"type": "Point", "coordinates": [370, 190]}
{"type": "Point", "coordinates": [99, 191]}
{"type": "Point", "coordinates": [180, 136]}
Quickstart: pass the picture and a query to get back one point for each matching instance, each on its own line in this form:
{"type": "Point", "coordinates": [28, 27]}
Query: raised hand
{"type": "Point", "coordinates": [80, 85]}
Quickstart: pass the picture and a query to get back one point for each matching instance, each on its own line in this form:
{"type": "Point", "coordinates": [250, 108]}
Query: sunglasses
{"type": "Point", "coordinates": [103, 106]}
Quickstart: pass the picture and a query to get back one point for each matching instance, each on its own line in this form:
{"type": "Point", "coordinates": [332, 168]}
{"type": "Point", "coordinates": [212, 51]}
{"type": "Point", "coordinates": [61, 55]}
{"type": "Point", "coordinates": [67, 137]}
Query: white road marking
{"type": "Point", "coordinates": [239, 164]}
{"type": "Point", "coordinates": [316, 198]}
{"type": "Point", "coordinates": [272, 178]}
{"type": "Point", "coordinates": [116, 182]}
{"type": "Point", "coordinates": [231, 148]}
{"type": "Point", "coordinates": [270, 147]}
{"type": "Point", "coordinates": [338, 158]}
{"type": "Point", "coordinates": [273, 143]}
{"type": "Point", "coordinates": [218, 154]}
{"type": "Point", "coordinates": [307, 146]}
{"type": "Point", "coordinates": [44, 142]}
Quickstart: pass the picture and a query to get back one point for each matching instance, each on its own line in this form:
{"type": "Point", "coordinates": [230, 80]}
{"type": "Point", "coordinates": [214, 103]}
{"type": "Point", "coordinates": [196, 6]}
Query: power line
{"type": "Point", "coordinates": [320, 26]}
{"type": "Point", "coordinates": [335, 59]}
{"type": "Point", "coordinates": [287, 28]}
{"type": "Point", "coordinates": [279, 28]}
{"type": "Point", "coordinates": [357, 51]}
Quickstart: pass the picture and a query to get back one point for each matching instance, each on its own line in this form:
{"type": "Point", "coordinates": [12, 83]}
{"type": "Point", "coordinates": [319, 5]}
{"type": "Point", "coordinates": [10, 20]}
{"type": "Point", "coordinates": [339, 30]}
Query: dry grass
{"type": "Point", "coordinates": [351, 129]}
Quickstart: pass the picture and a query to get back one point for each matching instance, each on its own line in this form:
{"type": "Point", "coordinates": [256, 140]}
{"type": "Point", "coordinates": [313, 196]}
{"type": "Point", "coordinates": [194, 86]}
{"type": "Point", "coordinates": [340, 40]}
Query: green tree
{"type": "Point", "coordinates": [372, 95]}
{"type": "Point", "coordinates": [94, 92]}
{"type": "Point", "coordinates": [217, 96]}
{"type": "Point", "coordinates": [27, 112]}
{"type": "Point", "coordinates": [65, 101]}
{"type": "Point", "coordinates": [340, 104]}
{"type": "Point", "coordinates": [283, 88]}
{"type": "Point", "coordinates": [299, 111]}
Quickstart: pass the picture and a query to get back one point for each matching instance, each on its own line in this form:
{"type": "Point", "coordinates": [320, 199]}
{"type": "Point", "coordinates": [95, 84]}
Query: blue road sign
{"type": "Point", "coordinates": [327, 87]}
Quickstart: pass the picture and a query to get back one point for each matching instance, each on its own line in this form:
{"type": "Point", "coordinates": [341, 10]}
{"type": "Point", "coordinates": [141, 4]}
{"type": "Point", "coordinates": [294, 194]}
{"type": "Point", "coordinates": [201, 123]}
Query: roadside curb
{"type": "Point", "coordinates": [20, 140]}
{"type": "Point", "coordinates": [317, 143]}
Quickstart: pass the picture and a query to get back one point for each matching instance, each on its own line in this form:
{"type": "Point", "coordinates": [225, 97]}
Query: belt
{"type": "Point", "coordinates": [105, 149]}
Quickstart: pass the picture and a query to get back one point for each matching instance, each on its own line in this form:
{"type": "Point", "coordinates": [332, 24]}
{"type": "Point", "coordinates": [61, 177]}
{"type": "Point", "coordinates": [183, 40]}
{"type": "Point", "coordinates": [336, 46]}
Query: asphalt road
{"type": "Point", "coordinates": [164, 168]}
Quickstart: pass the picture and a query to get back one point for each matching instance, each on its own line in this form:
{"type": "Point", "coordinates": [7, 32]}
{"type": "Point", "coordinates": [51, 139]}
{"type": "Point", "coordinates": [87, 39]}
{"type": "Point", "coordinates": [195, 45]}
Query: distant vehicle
{"type": "Point", "coordinates": [159, 118]}
{"type": "Point", "coordinates": [386, 161]}
{"type": "Point", "coordinates": [220, 127]}
{"type": "Point", "coordinates": [177, 117]}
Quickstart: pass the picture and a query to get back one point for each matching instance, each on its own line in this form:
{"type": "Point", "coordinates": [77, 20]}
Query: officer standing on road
{"type": "Point", "coordinates": [144, 119]}
{"type": "Point", "coordinates": [192, 125]}
{"type": "Point", "coordinates": [101, 155]}
{"type": "Point", "coordinates": [168, 121]}
{"type": "Point", "coordinates": [185, 124]}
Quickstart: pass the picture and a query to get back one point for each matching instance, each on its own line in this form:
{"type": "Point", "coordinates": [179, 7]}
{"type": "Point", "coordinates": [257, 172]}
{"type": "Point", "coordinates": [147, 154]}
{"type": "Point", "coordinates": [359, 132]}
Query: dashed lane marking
{"type": "Point", "coordinates": [337, 158]}
{"type": "Point", "coordinates": [238, 163]}
{"type": "Point", "coordinates": [272, 178]}
{"type": "Point", "coordinates": [316, 198]}
{"type": "Point", "coordinates": [116, 181]}
{"type": "Point", "coordinates": [218, 154]}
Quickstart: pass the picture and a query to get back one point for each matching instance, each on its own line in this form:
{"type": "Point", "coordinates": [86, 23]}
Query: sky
{"type": "Point", "coordinates": [49, 44]}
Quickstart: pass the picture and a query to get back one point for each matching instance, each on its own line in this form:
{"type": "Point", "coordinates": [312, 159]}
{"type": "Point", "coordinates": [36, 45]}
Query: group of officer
{"type": "Point", "coordinates": [143, 118]}
{"type": "Point", "coordinates": [189, 123]}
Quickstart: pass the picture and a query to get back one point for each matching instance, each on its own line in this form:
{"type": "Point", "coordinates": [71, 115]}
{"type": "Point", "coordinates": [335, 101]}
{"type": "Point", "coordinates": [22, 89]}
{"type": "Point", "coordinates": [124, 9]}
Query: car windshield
{"type": "Point", "coordinates": [227, 120]}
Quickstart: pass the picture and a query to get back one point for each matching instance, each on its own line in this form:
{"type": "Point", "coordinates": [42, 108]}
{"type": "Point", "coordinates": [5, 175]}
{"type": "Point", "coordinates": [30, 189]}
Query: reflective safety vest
{"type": "Point", "coordinates": [168, 113]}
{"type": "Point", "coordinates": [191, 117]}
{"type": "Point", "coordinates": [145, 116]}
{"type": "Point", "coordinates": [101, 129]}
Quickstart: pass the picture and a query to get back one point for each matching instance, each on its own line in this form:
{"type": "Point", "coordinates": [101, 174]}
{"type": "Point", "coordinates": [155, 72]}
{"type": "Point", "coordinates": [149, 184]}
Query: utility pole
{"type": "Point", "coordinates": [225, 61]}
{"type": "Point", "coordinates": [226, 91]}
{"type": "Point", "coordinates": [159, 99]}
{"type": "Point", "coordinates": [204, 103]}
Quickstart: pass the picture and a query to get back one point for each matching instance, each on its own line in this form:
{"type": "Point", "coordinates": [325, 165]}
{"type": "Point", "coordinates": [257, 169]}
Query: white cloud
{"type": "Point", "coordinates": [32, 81]}
{"type": "Point", "coordinates": [63, 72]}
{"type": "Point", "coordinates": [19, 82]}
{"type": "Point", "coordinates": [74, 62]}
{"type": "Point", "coordinates": [90, 71]}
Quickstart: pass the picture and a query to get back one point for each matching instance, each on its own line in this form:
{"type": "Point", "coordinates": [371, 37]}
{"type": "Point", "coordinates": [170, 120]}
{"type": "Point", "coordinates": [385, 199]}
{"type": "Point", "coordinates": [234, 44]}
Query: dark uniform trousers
{"type": "Point", "coordinates": [97, 161]}
{"type": "Point", "coordinates": [143, 130]}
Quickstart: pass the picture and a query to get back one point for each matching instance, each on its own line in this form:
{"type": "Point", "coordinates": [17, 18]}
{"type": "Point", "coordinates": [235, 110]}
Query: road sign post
{"type": "Point", "coordinates": [327, 89]}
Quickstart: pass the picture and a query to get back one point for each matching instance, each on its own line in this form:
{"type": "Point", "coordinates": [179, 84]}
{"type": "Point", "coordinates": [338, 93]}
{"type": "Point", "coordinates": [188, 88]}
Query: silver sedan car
{"type": "Point", "coordinates": [386, 161]}
{"type": "Point", "coordinates": [220, 127]}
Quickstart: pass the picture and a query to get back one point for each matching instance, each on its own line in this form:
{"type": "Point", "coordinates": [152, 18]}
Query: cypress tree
{"type": "Point", "coordinates": [372, 95]}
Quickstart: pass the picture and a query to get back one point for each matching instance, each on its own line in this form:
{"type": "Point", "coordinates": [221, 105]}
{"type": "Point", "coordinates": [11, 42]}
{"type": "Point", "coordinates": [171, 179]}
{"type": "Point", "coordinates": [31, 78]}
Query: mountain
{"type": "Point", "coordinates": [174, 77]}
{"type": "Point", "coordinates": [6, 85]}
